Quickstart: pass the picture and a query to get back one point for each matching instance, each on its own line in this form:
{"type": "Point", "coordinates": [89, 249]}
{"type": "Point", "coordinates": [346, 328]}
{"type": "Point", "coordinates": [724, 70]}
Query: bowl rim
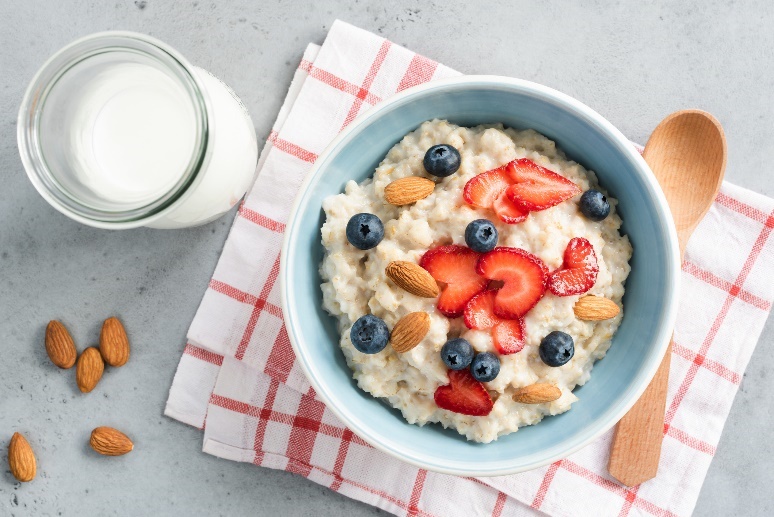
{"type": "Point", "coordinates": [622, 144]}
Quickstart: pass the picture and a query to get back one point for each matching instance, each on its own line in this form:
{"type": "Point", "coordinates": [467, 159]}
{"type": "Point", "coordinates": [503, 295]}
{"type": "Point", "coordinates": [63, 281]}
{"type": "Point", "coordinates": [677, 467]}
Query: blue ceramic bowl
{"type": "Point", "coordinates": [651, 290]}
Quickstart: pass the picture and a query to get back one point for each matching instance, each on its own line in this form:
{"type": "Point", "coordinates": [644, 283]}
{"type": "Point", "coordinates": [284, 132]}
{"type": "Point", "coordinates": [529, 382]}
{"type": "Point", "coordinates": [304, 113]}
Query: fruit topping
{"type": "Point", "coordinates": [537, 188]}
{"type": "Point", "coordinates": [482, 190]}
{"type": "Point", "coordinates": [457, 354]}
{"type": "Point", "coordinates": [507, 211]}
{"type": "Point", "coordinates": [578, 272]}
{"type": "Point", "coordinates": [442, 160]}
{"type": "Point", "coordinates": [523, 276]}
{"type": "Point", "coordinates": [594, 205]}
{"type": "Point", "coordinates": [485, 367]}
{"type": "Point", "coordinates": [507, 335]}
{"type": "Point", "coordinates": [365, 231]}
{"type": "Point", "coordinates": [454, 266]}
{"type": "Point", "coordinates": [557, 348]}
{"type": "Point", "coordinates": [464, 395]}
{"type": "Point", "coordinates": [481, 235]}
{"type": "Point", "coordinates": [369, 334]}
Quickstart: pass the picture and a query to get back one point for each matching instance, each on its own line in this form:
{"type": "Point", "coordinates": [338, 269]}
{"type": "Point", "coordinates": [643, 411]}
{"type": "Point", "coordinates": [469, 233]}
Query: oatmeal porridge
{"type": "Point", "coordinates": [483, 339]}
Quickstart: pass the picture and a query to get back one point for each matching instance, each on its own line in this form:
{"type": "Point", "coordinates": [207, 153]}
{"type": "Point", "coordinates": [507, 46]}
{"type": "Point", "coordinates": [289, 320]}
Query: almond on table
{"type": "Point", "coordinates": [88, 369]}
{"type": "Point", "coordinates": [114, 343]}
{"type": "Point", "coordinates": [110, 442]}
{"type": "Point", "coordinates": [21, 459]}
{"type": "Point", "coordinates": [59, 345]}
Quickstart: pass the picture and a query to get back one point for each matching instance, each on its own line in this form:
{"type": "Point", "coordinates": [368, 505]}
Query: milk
{"type": "Point", "coordinates": [117, 130]}
{"type": "Point", "coordinates": [137, 136]}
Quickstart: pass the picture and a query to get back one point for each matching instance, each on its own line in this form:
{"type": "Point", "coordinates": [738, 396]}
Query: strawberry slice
{"type": "Point", "coordinates": [523, 276]}
{"type": "Point", "coordinates": [579, 270]}
{"type": "Point", "coordinates": [479, 312]}
{"type": "Point", "coordinates": [507, 335]}
{"type": "Point", "coordinates": [464, 395]}
{"type": "Point", "coordinates": [454, 266]}
{"type": "Point", "coordinates": [482, 190]}
{"type": "Point", "coordinates": [507, 211]}
{"type": "Point", "coordinates": [537, 188]}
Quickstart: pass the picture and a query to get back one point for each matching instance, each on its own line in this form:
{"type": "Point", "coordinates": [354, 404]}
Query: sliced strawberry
{"type": "Point", "coordinates": [479, 312]}
{"type": "Point", "coordinates": [523, 276]}
{"type": "Point", "coordinates": [454, 266]}
{"type": "Point", "coordinates": [508, 336]}
{"type": "Point", "coordinates": [464, 395]}
{"type": "Point", "coordinates": [507, 211]}
{"type": "Point", "coordinates": [482, 190]}
{"type": "Point", "coordinates": [537, 188]}
{"type": "Point", "coordinates": [579, 270]}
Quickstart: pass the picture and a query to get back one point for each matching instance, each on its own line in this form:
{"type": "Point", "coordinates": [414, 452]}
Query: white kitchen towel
{"type": "Point", "coordinates": [239, 381]}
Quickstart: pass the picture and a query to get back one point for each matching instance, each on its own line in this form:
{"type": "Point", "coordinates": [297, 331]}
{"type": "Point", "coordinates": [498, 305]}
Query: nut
{"type": "Point", "coordinates": [595, 308]}
{"type": "Point", "coordinates": [110, 442]}
{"type": "Point", "coordinates": [409, 331]}
{"type": "Point", "coordinates": [412, 278]}
{"type": "Point", "coordinates": [537, 393]}
{"type": "Point", "coordinates": [59, 345]}
{"type": "Point", "coordinates": [21, 459]}
{"type": "Point", "coordinates": [408, 190]}
{"type": "Point", "coordinates": [88, 370]}
{"type": "Point", "coordinates": [113, 343]}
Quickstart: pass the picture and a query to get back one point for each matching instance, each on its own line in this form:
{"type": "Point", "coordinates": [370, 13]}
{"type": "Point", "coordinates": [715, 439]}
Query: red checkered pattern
{"type": "Point", "coordinates": [239, 381]}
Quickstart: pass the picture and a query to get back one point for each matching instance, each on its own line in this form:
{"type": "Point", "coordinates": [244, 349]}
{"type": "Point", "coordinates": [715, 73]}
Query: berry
{"type": "Point", "coordinates": [594, 205]}
{"type": "Point", "coordinates": [442, 160]}
{"type": "Point", "coordinates": [369, 334]}
{"type": "Point", "coordinates": [507, 211]}
{"type": "Point", "coordinates": [481, 235]}
{"type": "Point", "coordinates": [464, 395]}
{"type": "Point", "coordinates": [457, 354]}
{"type": "Point", "coordinates": [557, 348]}
{"type": "Point", "coordinates": [523, 276]}
{"type": "Point", "coordinates": [507, 335]}
{"type": "Point", "coordinates": [578, 272]}
{"type": "Point", "coordinates": [487, 190]}
{"type": "Point", "coordinates": [536, 188]}
{"type": "Point", "coordinates": [454, 266]}
{"type": "Point", "coordinates": [485, 367]}
{"type": "Point", "coordinates": [365, 231]}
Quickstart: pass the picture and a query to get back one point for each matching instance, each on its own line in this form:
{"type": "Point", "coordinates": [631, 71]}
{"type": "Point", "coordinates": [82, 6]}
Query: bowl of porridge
{"type": "Point", "coordinates": [479, 276]}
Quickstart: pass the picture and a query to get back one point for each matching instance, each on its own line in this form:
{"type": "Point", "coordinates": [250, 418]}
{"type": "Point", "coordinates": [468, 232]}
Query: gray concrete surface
{"type": "Point", "coordinates": [632, 61]}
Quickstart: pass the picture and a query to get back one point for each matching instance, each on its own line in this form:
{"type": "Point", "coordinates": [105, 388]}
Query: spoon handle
{"type": "Point", "coordinates": [636, 448]}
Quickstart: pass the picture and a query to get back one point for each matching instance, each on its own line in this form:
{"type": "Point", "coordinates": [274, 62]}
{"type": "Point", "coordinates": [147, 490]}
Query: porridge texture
{"type": "Point", "coordinates": [354, 282]}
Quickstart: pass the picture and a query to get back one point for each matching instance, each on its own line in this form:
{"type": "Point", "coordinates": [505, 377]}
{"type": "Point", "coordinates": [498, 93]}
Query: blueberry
{"type": "Point", "coordinates": [594, 205]}
{"type": "Point", "coordinates": [365, 231]}
{"type": "Point", "coordinates": [442, 160]}
{"type": "Point", "coordinates": [481, 235]}
{"type": "Point", "coordinates": [557, 348]}
{"type": "Point", "coordinates": [369, 334]}
{"type": "Point", "coordinates": [457, 354]}
{"type": "Point", "coordinates": [485, 367]}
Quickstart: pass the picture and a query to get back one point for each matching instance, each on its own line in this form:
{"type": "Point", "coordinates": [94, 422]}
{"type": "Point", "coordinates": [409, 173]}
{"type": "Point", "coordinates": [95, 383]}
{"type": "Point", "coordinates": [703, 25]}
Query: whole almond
{"type": "Point", "coordinates": [113, 343]}
{"type": "Point", "coordinates": [537, 393]}
{"type": "Point", "coordinates": [595, 308]}
{"type": "Point", "coordinates": [59, 345]}
{"type": "Point", "coordinates": [409, 331]}
{"type": "Point", "coordinates": [21, 459]}
{"type": "Point", "coordinates": [110, 442]}
{"type": "Point", "coordinates": [88, 370]}
{"type": "Point", "coordinates": [412, 278]}
{"type": "Point", "coordinates": [408, 190]}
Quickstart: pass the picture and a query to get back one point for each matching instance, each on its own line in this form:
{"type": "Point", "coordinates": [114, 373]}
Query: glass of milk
{"type": "Point", "coordinates": [117, 130]}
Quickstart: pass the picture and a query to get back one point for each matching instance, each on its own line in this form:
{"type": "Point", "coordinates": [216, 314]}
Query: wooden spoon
{"type": "Point", "coordinates": [687, 153]}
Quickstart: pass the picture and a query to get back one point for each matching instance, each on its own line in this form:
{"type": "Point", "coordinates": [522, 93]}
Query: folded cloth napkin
{"type": "Point", "coordinates": [239, 381]}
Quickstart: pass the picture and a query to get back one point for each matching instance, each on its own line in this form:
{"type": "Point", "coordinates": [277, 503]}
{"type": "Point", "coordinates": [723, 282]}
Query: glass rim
{"type": "Point", "coordinates": [46, 78]}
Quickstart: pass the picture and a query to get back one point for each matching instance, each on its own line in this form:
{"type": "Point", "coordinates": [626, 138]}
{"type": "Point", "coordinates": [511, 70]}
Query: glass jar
{"type": "Point", "coordinates": [117, 130]}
